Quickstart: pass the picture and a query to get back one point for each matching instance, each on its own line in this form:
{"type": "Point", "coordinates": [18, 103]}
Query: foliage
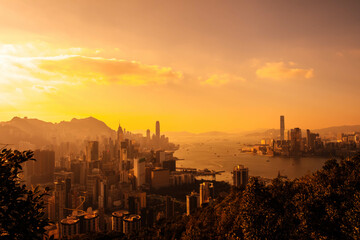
{"type": "Point", "coordinates": [21, 210]}
{"type": "Point", "coordinates": [324, 205]}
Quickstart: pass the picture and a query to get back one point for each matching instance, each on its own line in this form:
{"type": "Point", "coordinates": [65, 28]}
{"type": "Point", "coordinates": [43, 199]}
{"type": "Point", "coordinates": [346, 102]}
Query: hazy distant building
{"type": "Point", "coordinates": [69, 227]}
{"type": "Point", "coordinates": [162, 156]}
{"type": "Point", "coordinates": [349, 137]}
{"type": "Point", "coordinates": [117, 220]}
{"type": "Point", "coordinates": [282, 128]}
{"type": "Point", "coordinates": [179, 178]}
{"type": "Point", "coordinates": [147, 217]}
{"type": "Point", "coordinates": [148, 135]}
{"type": "Point", "coordinates": [295, 140]}
{"type": "Point", "coordinates": [120, 134]}
{"type": "Point", "coordinates": [157, 129]}
{"type": "Point", "coordinates": [92, 151]}
{"type": "Point", "coordinates": [65, 178]}
{"type": "Point", "coordinates": [92, 188]}
{"type": "Point", "coordinates": [169, 164]}
{"type": "Point", "coordinates": [102, 194]}
{"type": "Point", "coordinates": [41, 170]}
{"type": "Point", "coordinates": [192, 203]}
{"type": "Point", "coordinates": [60, 199]}
{"type": "Point", "coordinates": [240, 176]}
{"type": "Point", "coordinates": [131, 223]}
{"type": "Point", "coordinates": [170, 207]}
{"type": "Point", "coordinates": [311, 140]}
{"type": "Point", "coordinates": [139, 171]}
{"type": "Point", "coordinates": [206, 193]}
{"type": "Point", "coordinates": [160, 177]}
{"type": "Point", "coordinates": [134, 201]}
{"type": "Point", "coordinates": [91, 222]}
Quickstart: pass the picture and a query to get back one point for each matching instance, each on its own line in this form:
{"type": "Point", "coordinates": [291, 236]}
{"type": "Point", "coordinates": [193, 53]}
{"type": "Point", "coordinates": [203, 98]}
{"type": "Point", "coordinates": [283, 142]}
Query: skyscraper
{"type": "Point", "coordinates": [240, 176]}
{"type": "Point", "coordinates": [120, 134]}
{"type": "Point", "coordinates": [206, 192]}
{"type": "Point", "coordinates": [295, 140]}
{"type": "Point", "coordinates": [139, 171]}
{"type": "Point", "coordinates": [92, 151]}
{"type": "Point", "coordinates": [282, 128]}
{"type": "Point", "coordinates": [192, 203]}
{"type": "Point", "coordinates": [60, 199]}
{"type": "Point", "coordinates": [170, 207]}
{"type": "Point", "coordinates": [117, 220]}
{"type": "Point", "coordinates": [41, 170]}
{"type": "Point", "coordinates": [148, 134]}
{"type": "Point", "coordinates": [157, 129]}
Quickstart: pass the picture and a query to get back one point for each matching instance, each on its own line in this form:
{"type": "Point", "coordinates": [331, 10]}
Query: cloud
{"type": "Point", "coordinates": [75, 69]}
{"type": "Point", "coordinates": [283, 71]}
{"type": "Point", "coordinates": [36, 71]}
{"type": "Point", "coordinates": [39, 61]}
{"type": "Point", "coordinates": [222, 79]}
{"type": "Point", "coordinates": [103, 70]}
{"type": "Point", "coordinates": [47, 89]}
{"type": "Point", "coordinates": [352, 53]}
{"type": "Point", "coordinates": [43, 49]}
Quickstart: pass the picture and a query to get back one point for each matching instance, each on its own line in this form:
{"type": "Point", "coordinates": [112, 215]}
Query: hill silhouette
{"type": "Point", "coordinates": [39, 133]}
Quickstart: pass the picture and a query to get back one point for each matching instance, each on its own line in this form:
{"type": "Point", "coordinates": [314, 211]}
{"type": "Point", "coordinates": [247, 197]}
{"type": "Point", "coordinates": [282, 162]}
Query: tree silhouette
{"type": "Point", "coordinates": [323, 205]}
{"type": "Point", "coordinates": [21, 210]}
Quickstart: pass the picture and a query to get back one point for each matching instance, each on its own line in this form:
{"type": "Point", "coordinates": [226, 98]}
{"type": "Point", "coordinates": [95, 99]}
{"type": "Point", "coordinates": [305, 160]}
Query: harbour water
{"type": "Point", "coordinates": [224, 155]}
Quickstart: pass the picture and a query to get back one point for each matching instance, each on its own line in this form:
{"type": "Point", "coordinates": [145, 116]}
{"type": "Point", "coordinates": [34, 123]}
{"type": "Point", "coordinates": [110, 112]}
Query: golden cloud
{"type": "Point", "coordinates": [40, 63]}
{"type": "Point", "coordinates": [103, 71]}
{"type": "Point", "coordinates": [22, 72]}
{"type": "Point", "coordinates": [221, 79]}
{"type": "Point", "coordinates": [283, 71]}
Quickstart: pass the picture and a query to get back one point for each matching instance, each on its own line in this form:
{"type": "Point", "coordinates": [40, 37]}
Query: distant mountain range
{"type": "Point", "coordinates": [41, 133]}
{"type": "Point", "coordinates": [334, 131]}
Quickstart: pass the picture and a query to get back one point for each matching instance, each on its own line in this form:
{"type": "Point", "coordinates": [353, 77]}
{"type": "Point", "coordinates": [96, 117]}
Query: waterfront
{"type": "Point", "coordinates": [223, 155]}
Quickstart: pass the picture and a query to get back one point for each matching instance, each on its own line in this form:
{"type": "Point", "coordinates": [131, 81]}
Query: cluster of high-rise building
{"type": "Point", "coordinates": [295, 142]}
{"type": "Point", "coordinates": [206, 195]}
{"type": "Point", "coordinates": [112, 176]}
{"type": "Point", "coordinates": [196, 200]}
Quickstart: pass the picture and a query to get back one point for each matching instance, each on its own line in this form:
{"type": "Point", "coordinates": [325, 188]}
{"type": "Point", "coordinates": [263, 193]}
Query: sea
{"type": "Point", "coordinates": [225, 155]}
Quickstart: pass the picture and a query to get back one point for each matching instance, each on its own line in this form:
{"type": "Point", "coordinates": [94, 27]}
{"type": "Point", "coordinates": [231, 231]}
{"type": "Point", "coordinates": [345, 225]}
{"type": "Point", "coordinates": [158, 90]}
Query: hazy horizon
{"type": "Point", "coordinates": [152, 127]}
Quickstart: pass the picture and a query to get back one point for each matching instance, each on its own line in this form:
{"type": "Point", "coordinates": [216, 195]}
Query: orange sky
{"type": "Point", "coordinates": [194, 65]}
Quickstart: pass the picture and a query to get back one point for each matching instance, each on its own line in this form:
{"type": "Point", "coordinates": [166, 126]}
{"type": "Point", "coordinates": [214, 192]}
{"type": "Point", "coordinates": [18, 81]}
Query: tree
{"type": "Point", "coordinates": [21, 210]}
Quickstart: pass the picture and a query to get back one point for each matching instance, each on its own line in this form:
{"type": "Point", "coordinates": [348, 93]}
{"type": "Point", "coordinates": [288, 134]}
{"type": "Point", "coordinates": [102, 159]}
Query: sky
{"type": "Point", "coordinates": [193, 65]}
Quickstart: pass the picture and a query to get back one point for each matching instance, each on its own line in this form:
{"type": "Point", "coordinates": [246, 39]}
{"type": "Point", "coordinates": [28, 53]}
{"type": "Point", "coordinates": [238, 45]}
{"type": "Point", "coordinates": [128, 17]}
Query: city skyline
{"type": "Point", "coordinates": [203, 66]}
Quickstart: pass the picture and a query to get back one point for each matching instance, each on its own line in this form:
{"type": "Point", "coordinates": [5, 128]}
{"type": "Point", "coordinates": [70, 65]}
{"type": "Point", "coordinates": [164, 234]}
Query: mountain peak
{"type": "Point", "coordinates": [85, 119]}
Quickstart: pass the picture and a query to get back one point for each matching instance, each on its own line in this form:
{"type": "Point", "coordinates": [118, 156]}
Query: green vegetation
{"type": "Point", "coordinates": [21, 210]}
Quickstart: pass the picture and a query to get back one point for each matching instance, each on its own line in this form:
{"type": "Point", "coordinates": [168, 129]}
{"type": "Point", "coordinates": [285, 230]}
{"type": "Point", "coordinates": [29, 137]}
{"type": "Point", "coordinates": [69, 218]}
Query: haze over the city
{"type": "Point", "coordinates": [193, 65]}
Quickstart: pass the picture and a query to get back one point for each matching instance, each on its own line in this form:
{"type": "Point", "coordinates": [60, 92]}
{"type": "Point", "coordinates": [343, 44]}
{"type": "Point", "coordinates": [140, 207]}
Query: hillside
{"type": "Point", "coordinates": [41, 133]}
